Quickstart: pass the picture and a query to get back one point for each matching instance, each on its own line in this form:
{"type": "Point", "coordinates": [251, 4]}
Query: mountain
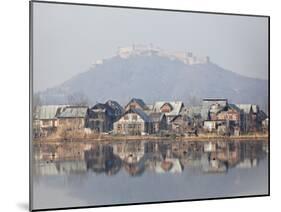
{"type": "Point", "coordinates": [155, 78]}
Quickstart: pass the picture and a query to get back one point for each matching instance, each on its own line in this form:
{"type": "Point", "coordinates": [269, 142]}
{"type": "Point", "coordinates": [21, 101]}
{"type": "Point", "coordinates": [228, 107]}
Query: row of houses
{"type": "Point", "coordinates": [214, 115]}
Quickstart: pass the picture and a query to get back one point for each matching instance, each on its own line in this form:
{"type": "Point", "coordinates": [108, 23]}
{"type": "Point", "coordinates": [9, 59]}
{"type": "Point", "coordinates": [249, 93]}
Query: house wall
{"type": "Point", "coordinates": [43, 127]}
{"type": "Point", "coordinates": [71, 123]}
{"type": "Point", "coordinates": [229, 115]}
{"type": "Point", "coordinates": [48, 123]}
{"type": "Point", "coordinates": [100, 122]}
{"type": "Point", "coordinates": [131, 124]}
{"type": "Point", "coordinates": [158, 126]}
{"type": "Point", "coordinates": [209, 125]}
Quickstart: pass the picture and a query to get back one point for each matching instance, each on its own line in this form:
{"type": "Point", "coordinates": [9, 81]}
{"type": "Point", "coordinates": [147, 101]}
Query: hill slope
{"type": "Point", "coordinates": [154, 78]}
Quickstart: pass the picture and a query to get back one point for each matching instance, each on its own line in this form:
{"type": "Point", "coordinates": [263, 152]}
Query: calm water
{"type": "Point", "coordinates": [84, 174]}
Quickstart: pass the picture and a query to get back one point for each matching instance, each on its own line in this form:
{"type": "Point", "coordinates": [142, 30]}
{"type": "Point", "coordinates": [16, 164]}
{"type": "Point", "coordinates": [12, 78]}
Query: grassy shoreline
{"type": "Point", "coordinates": [106, 138]}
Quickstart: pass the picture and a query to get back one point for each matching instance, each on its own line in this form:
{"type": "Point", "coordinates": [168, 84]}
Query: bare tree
{"type": "Point", "coordinates": [36, 103]}
{"type": "Point", "coordinates": [194, 101]}
{"type": "Point", "coordinates": [78, 99]}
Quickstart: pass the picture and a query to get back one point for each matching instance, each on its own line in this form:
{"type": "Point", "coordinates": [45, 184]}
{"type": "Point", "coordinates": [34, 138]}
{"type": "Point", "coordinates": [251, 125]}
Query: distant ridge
{"type": "Point", "coordinates": [152, 74]}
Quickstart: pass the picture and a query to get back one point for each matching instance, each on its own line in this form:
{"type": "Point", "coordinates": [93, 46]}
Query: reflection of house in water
{"type": "Point", "coordinates": [101, 159]}
{"type": "Point", "coordinates": [212, 165]}
{"type": "Point", "coordinates": [160, 159]}
{"type": "Point", "coordinates": [251, 153]}
{"type": "Point", "coordinates": [189, 153]}
{"type": "Point", "coordinates": [132, 156]}
{"type": "Point", "coordinates": [130, 152]}
{"type": "Point", "coordinates": [210, 147]}
{"type": "Point", "coordinates": [247, 163]}
{"type": "Point", "coordinates": [135, 169]}
{"type": "Point", "coordinates": [170, 165]}
{"type": "Point", "coordinates": [60, 167]}
{"type": "Point", "coordinates": [155, 156]}
{"type": "Point", "coordinates": [59, 152]}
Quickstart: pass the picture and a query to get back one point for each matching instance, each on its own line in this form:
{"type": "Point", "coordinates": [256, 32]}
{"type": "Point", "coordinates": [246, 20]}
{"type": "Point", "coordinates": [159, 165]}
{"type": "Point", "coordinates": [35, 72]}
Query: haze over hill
{"type": "Point", "coordinates": [154, 77]}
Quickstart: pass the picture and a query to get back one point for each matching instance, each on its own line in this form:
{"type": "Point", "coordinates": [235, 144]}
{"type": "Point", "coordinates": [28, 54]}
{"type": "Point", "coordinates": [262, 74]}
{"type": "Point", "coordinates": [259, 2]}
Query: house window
{"type": "Point", "coordinates": [132, 106]}
{"type": "Point", "coordinates": [126, 117]}
{"type": "Point", "coordinates": [135, 117]}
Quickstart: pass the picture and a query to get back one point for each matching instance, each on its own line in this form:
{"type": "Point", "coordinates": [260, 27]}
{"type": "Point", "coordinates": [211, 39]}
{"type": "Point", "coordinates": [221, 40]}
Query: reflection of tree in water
{"type": "Point", "coordinates": [101, 159]}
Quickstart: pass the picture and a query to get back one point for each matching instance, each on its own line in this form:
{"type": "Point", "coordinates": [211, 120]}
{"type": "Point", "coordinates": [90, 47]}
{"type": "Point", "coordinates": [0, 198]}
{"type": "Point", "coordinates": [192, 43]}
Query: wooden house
{"type": "Point", "coordinates": [100, 118]}
{"type": "Point", "coordinates": [45, 119]}
{"type": "Point", "coordinates": [159, 122]}
{"type": "Point", "coordinates": [133, 122]}
{"type": "Point", "coordinates": [252, 117]}
{"type": "Point", "coordinates": [170, 108]}
{"type": "Point", "coordinates": [72, 117]}
{"type": "Point", "coordinates": [215, 103]}
{"type": "Point", "coordinates": [181, 123]}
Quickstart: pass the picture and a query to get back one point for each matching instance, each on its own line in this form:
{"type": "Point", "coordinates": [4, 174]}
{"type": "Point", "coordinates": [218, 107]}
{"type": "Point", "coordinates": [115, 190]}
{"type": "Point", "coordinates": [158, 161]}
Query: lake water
{"type": "Point", "coordinates": [92, 174]}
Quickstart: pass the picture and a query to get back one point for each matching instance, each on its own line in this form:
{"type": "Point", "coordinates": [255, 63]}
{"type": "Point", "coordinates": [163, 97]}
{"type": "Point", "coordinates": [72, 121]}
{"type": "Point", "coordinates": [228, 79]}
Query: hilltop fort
{"type": "Point", "coordinates": [186, 57]}
{"type": "Point", "coordinates": [148, 50]}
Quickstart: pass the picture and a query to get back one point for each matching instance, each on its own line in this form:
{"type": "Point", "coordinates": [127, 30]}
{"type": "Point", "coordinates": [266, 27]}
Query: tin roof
{"type": "Point", "coordinates": [176, 105]}
{"type": "Point", "coordinates": [48, 111]}
{"type": "Point", "coordinates": [74, 112]}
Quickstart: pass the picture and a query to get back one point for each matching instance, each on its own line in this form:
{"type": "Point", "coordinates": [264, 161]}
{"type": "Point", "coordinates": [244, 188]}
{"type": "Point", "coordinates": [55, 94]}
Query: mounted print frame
{"type": "Point", "coordinates": [132, 105]}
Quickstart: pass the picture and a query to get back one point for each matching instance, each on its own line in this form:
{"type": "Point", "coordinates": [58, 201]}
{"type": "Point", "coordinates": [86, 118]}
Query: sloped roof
{"type": "Point", "coordinates": [115, 106]}
{"type": "Point", "coordinates": [74, 112]}
{"type": "Point", "coordinates": [176, 105]}
{"type": "Point", "coordinates": [47, 111]}
{"type": "Point", "coordinates": [183, 117]}
{"type": "Point", "coordinates": [101, 106]}
{"type": "Point", "coordinates": [215, 99]}
{"type": "Point", "coordinates": [142, 114]}
{"type": "Point", "coordinates": [234, 107]}
{"type": "Point", "coordinates": [255, 108]}
{"type": "Point", "coordinates": [140, 102]}
{"type": "Point", "coordinates": [167, 103]}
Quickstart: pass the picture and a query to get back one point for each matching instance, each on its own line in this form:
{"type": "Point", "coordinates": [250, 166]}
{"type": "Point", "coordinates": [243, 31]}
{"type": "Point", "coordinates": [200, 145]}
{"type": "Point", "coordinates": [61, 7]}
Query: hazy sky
{"type": "Point", "coordinates": [68, 39]}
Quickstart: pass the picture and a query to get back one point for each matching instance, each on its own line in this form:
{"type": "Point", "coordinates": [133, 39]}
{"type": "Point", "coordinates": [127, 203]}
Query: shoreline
{"type": "Point", "coordinates": [106, 138]}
